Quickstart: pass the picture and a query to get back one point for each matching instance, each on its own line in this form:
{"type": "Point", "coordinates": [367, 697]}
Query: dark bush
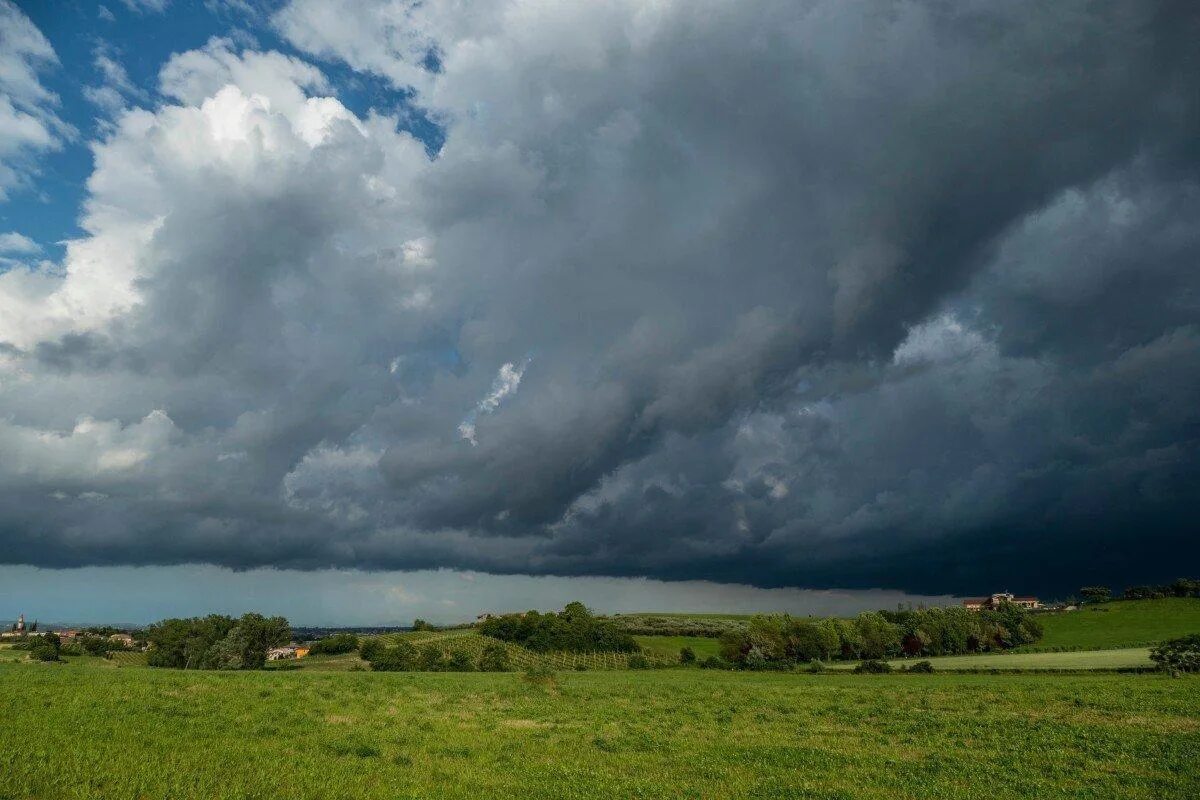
{"type": "Point", "coordinates": [920, 666]}
{"type": "Point", "coordinates": [400, 658]}
{"type": "Point", "coordinates": [369, 649]}
{"type": "Point", "coordinates": [334, 645]}
{"type": "Point", "coordinates": [460, 661]}
{"type": "Point", "coordinates": [873, 667]}
{"type": "Point", "coordinates": [638, 661]}
{"type": "Point", "coordinates": [494, 658]}
{"type": "Point", "coordinates": [714, 662]}
{"type": "Point", "coordinates": [430, 658]}
{"type": "Point", "coordinates": [1178, 655]}
{"type": "Point", "coordinates": [687, 655]}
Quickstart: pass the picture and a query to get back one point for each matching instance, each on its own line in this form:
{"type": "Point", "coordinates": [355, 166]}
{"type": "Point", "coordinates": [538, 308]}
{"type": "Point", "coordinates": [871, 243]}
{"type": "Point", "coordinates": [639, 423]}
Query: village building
{"type": "Point", "coordinates": [17, 630]}
{"type": "Point", "coordinates": [288, 652]}
{"type": "Point", "coordinates": [993, 602]}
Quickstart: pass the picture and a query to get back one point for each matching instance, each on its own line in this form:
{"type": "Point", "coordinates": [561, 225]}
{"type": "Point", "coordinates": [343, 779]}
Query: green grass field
{"type": "Point", "coordinates": [1124, 658]}
{"type": "Point", "coordinates": [82, 731]}
{"type": "Point", "coordinates": [667, 647]}
{"type": "Point", "coordinates": [1123, 623]}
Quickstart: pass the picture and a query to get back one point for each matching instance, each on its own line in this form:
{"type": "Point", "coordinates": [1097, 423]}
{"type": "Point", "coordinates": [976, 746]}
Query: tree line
{"type": "Point", "coordinates": [778, 641]}
{"type": "Point", "coordinates": [574, 629]}
{"type": "Point", "coordinates": [1181, 587]}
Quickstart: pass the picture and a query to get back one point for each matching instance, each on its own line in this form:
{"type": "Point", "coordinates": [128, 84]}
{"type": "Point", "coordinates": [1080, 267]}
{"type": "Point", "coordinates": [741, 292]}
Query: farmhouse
{"type": "Point", "coordinates": [994, 601]}
{"type": "Point", "coordinates": [288, 652]}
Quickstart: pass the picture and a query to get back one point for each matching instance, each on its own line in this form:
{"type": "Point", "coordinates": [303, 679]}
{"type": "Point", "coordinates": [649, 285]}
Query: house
{"type": "Point", "coordinates": [67, 634]}
{"type": "Point", "coordinates": [121, 638]}
{"type": "Point", "coordinates": [994, 601]}
{"type": "Point", "coordinates": [290, 651]}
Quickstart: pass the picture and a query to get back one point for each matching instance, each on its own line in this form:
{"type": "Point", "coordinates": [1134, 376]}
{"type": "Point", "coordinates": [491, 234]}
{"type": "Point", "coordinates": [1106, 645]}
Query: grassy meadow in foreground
{"type": "Point", "coordinates": [83, 731]}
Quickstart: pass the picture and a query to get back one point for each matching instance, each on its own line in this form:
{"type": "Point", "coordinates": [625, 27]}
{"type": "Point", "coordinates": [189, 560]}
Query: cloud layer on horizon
{"type": "Point", "coordinates": [816, 294]}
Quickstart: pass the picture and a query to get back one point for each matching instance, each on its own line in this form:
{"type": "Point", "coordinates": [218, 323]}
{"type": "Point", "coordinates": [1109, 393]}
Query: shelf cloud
{"type": "Point", "coordinates": [819, 294]}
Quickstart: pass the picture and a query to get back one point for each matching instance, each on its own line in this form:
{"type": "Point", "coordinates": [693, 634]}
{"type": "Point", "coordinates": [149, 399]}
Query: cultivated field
{"type": "Point", "coordinates": [86, 731]}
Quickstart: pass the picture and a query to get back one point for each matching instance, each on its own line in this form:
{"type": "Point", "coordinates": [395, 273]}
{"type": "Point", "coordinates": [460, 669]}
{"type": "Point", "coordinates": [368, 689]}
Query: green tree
{"type": "Point", "coordinates": [185, 643]}
{"type": "Point", "coordinates": [811, 641]}
{"type": "Point", "coordinates": [1178, 655]}
{"type": "Point", "coordinates": [880, 638]}
{"type": "Point", "coordinates": [687, 655]}
{"type": "Point", "coordinates": [228, 653]}
{"type": "Point", "coordinates": [46, 647]}
{"type": "Point", "coordinates": [1096, 594]}
{"type": "Point", "coordinates": [734, 646]}
{"type": "Point", "coordinates": [256, 634]}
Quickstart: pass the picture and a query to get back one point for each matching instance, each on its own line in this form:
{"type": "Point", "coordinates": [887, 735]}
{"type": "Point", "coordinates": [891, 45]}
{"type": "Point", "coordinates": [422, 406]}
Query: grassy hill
{"type": "Point", "coordinates": [677, 733]}
{"type": "Point", "coordinates": [667, 647]}
{"type": "Point", "coordinates": [1121, 623]}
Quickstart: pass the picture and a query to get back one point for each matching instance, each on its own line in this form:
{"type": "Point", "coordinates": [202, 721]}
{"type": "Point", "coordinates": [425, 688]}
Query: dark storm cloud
{"type": "Point", "coordinates": [818, 294]}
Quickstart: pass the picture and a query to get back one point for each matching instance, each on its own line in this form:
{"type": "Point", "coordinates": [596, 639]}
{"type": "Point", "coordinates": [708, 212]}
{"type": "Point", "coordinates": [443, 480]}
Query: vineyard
{"type": "Point", "coordinates": [469, 641]}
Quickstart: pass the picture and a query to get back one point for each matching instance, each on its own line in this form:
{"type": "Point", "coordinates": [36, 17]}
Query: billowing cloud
{"type": "Point", "coordinates": [29, 125]}
{"type": "Point", "coordinates": [13, 243]}
{"type": "Point", "coordinates": [820, 294]}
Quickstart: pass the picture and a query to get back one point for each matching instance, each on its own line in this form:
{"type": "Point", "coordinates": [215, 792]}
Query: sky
{"type": "Point", "coordinates": [668, 303]}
